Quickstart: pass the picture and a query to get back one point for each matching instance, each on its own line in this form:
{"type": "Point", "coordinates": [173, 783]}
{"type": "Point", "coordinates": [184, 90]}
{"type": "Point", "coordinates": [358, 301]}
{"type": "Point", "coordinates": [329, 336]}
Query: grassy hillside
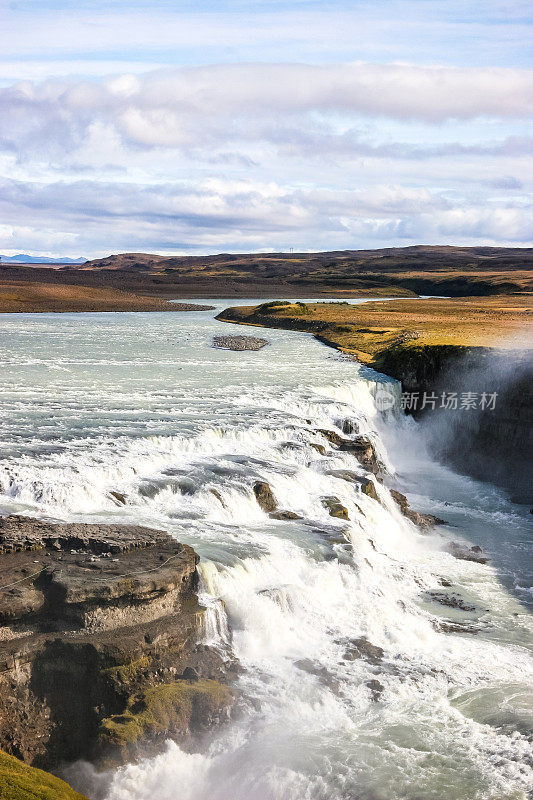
{"type": "Point", "coordinates": [369, 329]}
{"type": "Point", "coordinates": [20, 782]}
{"type": "Point", "coordinates": [419, 258]}
{"type": "Point", "coordinates": [456, 271]}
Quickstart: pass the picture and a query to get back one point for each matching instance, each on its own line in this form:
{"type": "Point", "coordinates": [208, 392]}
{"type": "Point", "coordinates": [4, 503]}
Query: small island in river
{"type": "Point", "coordinates": [239, 342]}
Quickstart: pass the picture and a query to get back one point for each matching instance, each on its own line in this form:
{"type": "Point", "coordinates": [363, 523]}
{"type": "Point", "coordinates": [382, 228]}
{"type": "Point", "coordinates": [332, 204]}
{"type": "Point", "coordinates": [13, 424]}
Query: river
{"type": "Point", "coordinates": [143, 405]}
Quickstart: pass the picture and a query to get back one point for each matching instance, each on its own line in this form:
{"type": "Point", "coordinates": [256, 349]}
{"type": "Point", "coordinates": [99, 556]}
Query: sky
{"type": "Point", "coordinates": [208, 127]}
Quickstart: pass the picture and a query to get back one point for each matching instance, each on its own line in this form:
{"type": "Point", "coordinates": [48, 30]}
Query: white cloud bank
{"type": "Point", "coordinates": [216, 215]}
{"type": "Point", "coordinates": [179, 108]}
{"type": "Point", "coordinates": [251, 156]}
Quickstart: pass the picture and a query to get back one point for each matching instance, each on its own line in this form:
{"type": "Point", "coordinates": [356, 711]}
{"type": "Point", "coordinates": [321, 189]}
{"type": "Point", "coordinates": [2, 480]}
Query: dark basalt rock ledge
{"type": "Point", "coordinates": [422, 520]}
{"type": "Point", "coordinates": [99, 644]}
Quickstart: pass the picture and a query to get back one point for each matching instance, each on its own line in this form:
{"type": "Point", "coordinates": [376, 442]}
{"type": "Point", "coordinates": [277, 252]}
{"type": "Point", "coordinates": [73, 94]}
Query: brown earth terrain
{"type": "Point", "coordinates": [407, 268]}
{"type": "Point", "coordinates": [26, 296]}
{"type": "Point", "coordinates": [503, 321]}
{"type": "Point", "coordinates": [390, 272]}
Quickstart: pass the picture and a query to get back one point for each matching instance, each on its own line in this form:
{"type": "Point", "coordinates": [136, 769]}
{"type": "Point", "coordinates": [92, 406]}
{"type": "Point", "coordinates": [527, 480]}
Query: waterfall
{"type": "Point", "coordinates": [357, 678]}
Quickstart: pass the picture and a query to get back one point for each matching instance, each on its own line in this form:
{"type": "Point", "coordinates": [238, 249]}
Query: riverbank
{"type": "Point", "coordinates": [35, 297]}
{"type": "Point", "coordinates": [370, 329]}
{"type": "Point", "coordinates": [440, 348]}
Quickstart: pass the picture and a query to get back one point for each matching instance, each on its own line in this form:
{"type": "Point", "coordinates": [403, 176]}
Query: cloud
{"type": "Point", "coordinates": [102, 34]}
{"type": "Point", "coordinates": [93, 217]}
{"type": "Point", "coordinates": [208, 106]}
{"type": "Point", "coordinates": [321, 141]}
{"type": "Point", "coordinates": [479, 224]}
{"type": "Point", "coordinates": [213, 202]}
{"type": "Point", "coordinates": [506, 182]}
{"type": "Point", "coordinates": [257, 148]}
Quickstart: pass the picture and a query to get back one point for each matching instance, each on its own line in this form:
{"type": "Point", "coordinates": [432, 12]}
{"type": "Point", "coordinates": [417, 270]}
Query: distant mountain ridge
{"type": "Point", "coordinates": [22, 258]}
{"type": "Point", "coordinates": [322, 264]}
{"type": "Point", "coordinates": [391, 272]}
{"type": "Point", "coordinates": [420, 269]}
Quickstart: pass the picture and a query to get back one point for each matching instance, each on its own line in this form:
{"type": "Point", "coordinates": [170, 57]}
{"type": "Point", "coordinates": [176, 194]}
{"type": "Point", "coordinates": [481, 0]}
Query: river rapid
{"type": "Point", "coordinates": [142, 404]}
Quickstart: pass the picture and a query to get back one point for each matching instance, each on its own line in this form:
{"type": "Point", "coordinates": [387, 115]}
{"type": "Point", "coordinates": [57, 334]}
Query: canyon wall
{"type": "Point", "coordinates": [101, 652]}
{"type": "Point", "coordinates": [489, 438]}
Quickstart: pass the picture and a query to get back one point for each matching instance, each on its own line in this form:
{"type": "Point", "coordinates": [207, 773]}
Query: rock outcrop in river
{"type": "Point", "coordinates": [99, 652]}
{"type": "Point", "coordinates": [239, 342]}
{"type": "Point", "coordinates": [359, 446]}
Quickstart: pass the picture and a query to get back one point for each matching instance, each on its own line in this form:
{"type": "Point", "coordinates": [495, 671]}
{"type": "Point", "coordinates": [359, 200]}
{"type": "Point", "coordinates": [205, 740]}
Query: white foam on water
{"type": "Point", "coordinates": [291, 598]}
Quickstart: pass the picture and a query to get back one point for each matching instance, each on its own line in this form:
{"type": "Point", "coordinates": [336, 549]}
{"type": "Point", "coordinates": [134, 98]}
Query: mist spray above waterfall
{"type": "Point", "coordinates": [492, 437]}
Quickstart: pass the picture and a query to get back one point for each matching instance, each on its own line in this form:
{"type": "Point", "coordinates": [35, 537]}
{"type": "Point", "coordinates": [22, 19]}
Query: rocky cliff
{"type": "Point", "coordinates": [491, 441]}
{"type": "Point", "coordinates": [100, 643]}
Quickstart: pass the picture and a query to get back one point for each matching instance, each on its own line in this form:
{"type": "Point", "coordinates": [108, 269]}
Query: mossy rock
{"type": "Point", "coordinates": [319, 448]}
{"type": "Point", "coordinates": [127, 673]}
{"type": "Point", "coordinates": [18, 781]}
{"type": "Point", "coordinates": [335, 507]}
{"type": "Point", "coordinates": [264, 496]}
{"type": "Point", "coordinates": [410, 362]}
{"type": "Point", "coordinates": [285, 515]}
{"type": "Point", "coordinates": [368, 487]}
{"type": "Point", "coordinates": [170, 708]}
{"type": "Point", "coordinates": [119, 498]}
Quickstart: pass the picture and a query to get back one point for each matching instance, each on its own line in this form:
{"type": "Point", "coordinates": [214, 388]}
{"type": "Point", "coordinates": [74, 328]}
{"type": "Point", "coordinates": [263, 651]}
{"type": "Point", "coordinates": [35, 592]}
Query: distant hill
{"type": "Point", "coordinates": [388, 272]}
{"type": "Point", "coordinates": [337, 263]}
{"type": "Point", "coordinates": [421, 269]}
{"type": "Point", "coordinates": [22, 258]}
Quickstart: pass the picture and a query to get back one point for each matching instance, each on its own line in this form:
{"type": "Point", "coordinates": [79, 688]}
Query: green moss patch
{"type": "Point", "coordinates": [168, 707]}
{"type": "Point", "coordinates": [272, 306]}
{"type": "Point", "coordinates": [126, 673]}
{"type": "Point", "coordinates": [20, 782]}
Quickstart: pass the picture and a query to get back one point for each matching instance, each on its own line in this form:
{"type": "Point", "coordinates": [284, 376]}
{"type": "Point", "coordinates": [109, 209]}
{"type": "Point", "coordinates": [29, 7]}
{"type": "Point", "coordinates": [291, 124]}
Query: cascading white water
{"type": "Point", "coordinates": [214, 621]}
{"type": "Point", "coordinates": [183, 431]}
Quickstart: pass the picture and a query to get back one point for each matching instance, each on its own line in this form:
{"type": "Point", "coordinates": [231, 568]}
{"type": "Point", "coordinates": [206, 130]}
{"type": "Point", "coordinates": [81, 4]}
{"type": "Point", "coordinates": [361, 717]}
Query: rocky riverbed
{"type": "Point", "coordinates": [100, 644]}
